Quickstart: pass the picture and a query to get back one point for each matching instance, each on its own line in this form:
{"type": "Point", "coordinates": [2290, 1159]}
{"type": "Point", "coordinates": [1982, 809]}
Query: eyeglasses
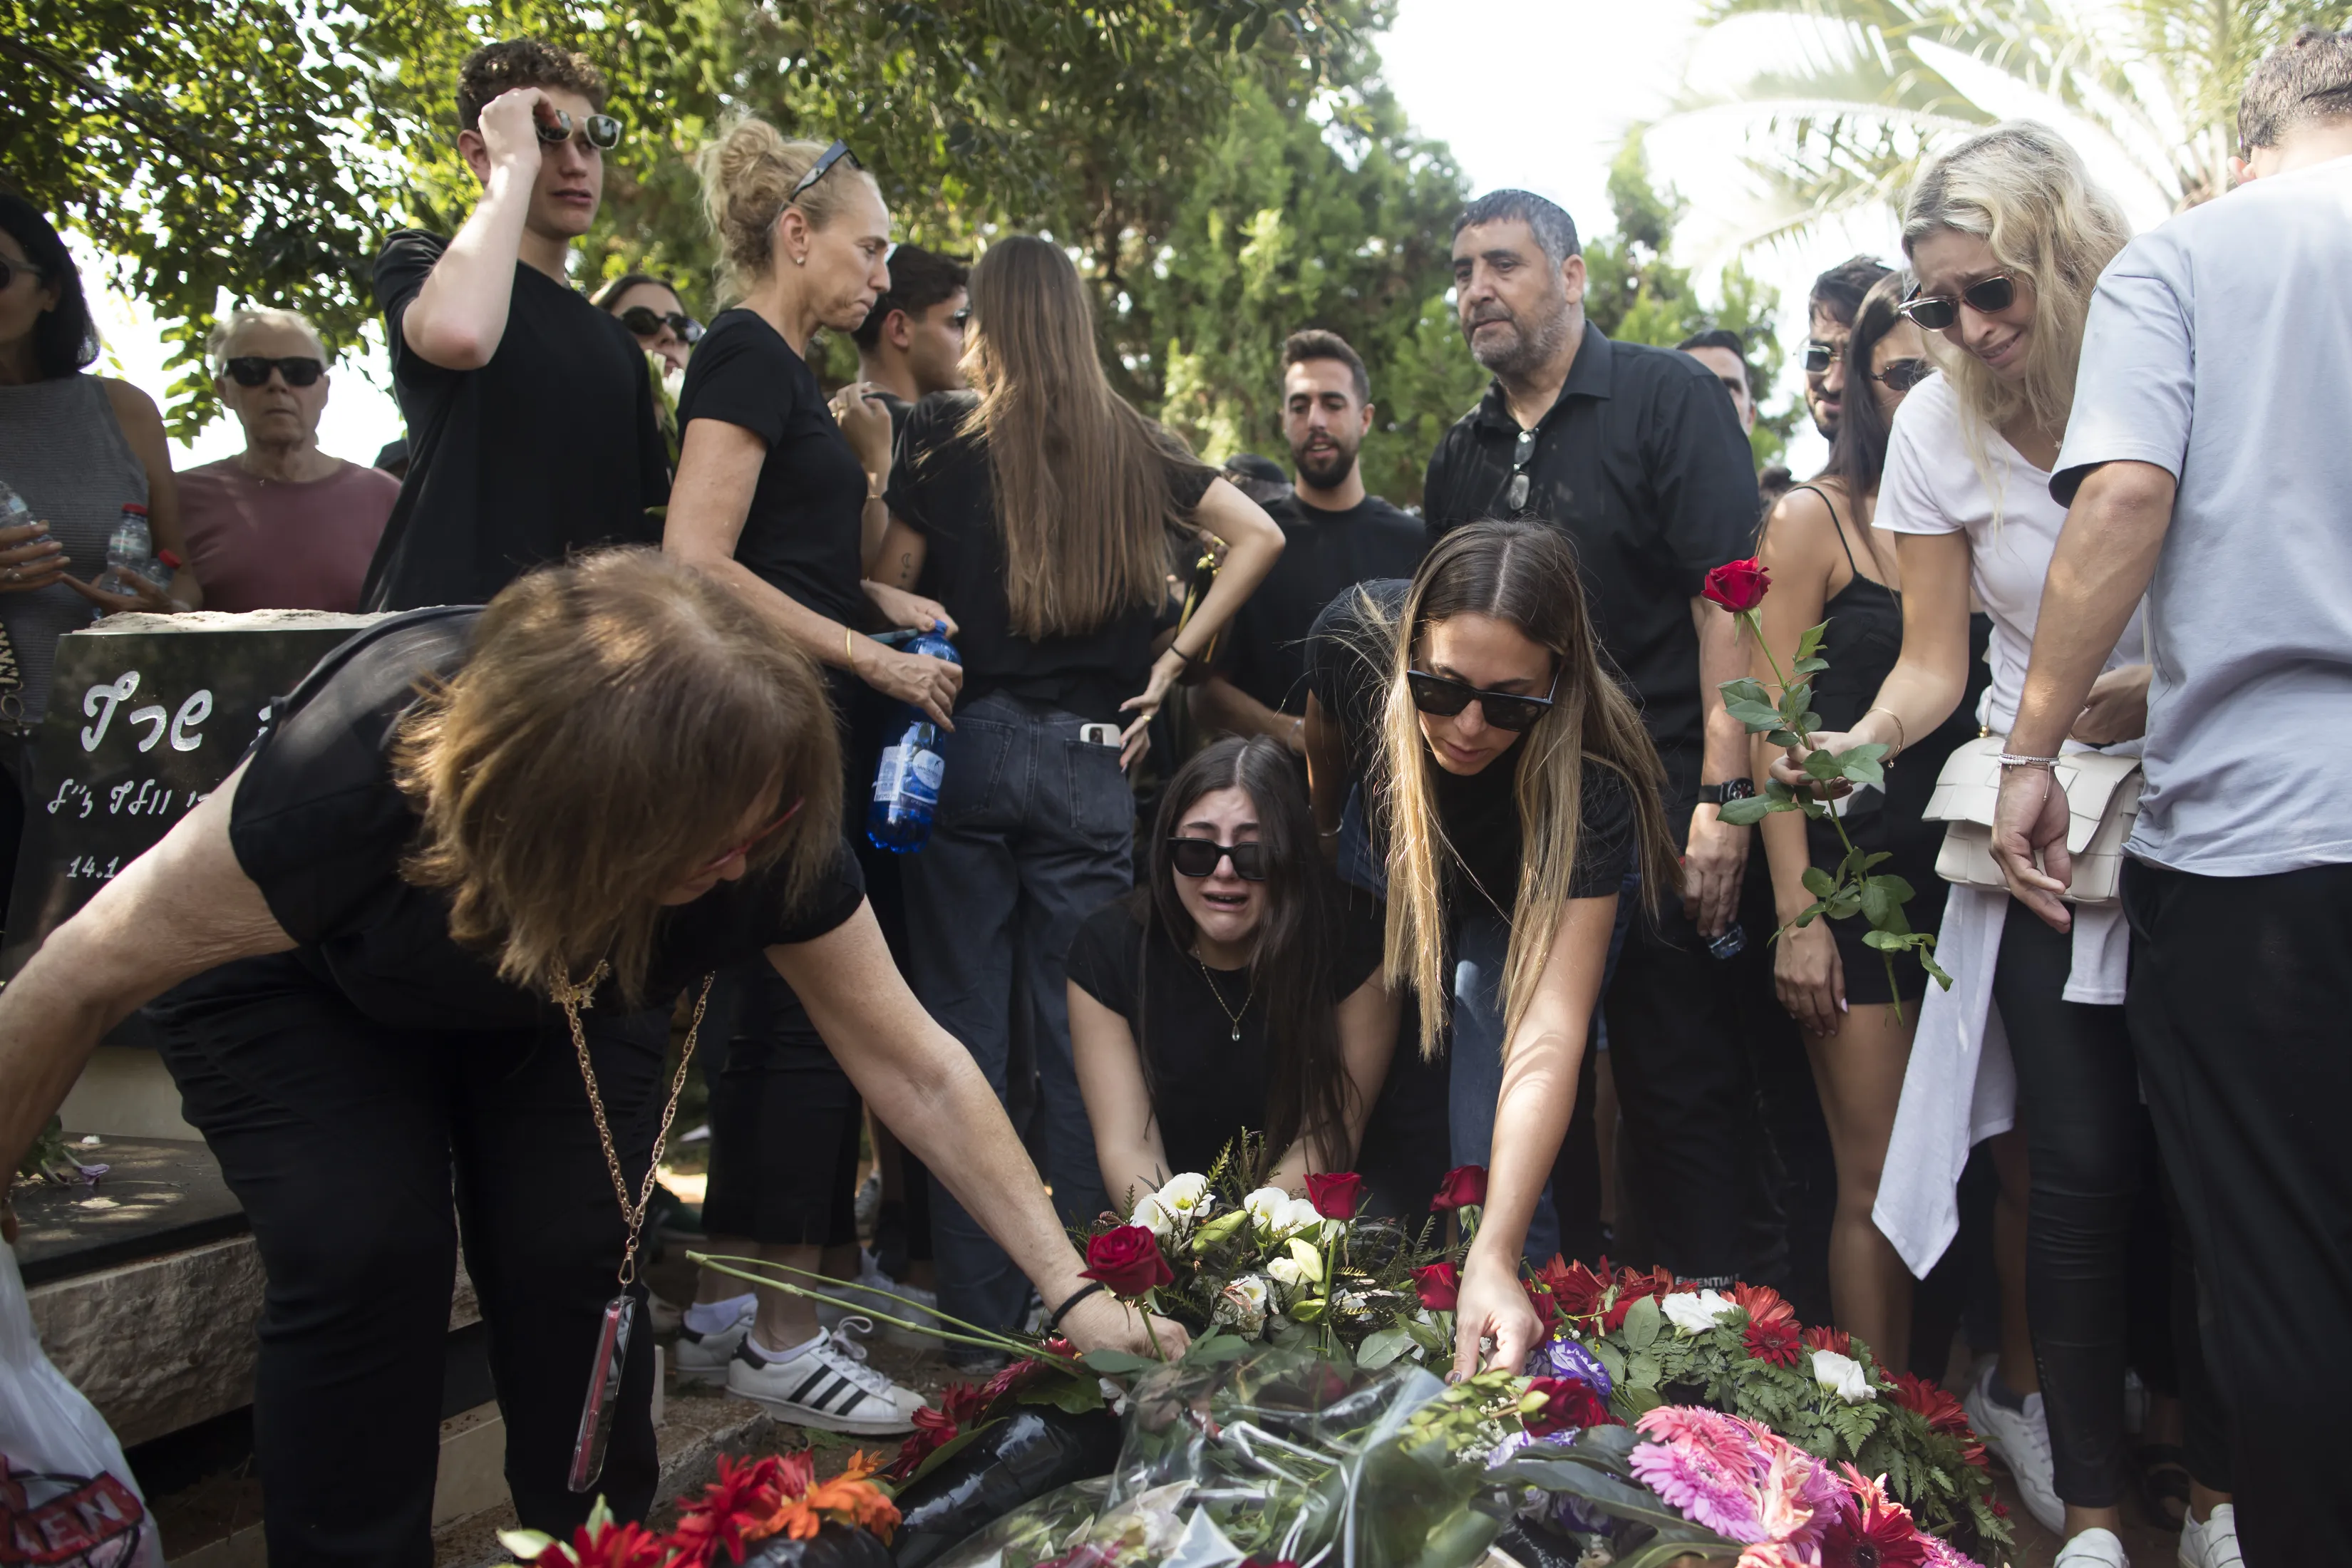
{"type": "Point", "coordinates": [1818, 356]}
{"type": "Point", "coordinates": [1514, 494]}
{"type": "Point", "coordinates": [1198, 858]}
{"type": "Point", "coordinates": [9, 270]}
{"type": "Point", "coordinates": [824, 165]}
{"type": "Point", "coordinates": [753, 842]}
{"type": "Point", "coordinates": [1933, 312]}
{"type": "Point", "coordinates": [253, 370]}
{"type": "Point", "coordinates": [1903, 374]}
{"type": "Point", "coordinates": [1442, 697]}
{"type": "Point", "coordinates": [645, 320]}
{"type": "Point", "coordinates": [600, 130]}
{"type": "Point", "coordinates": [961, 319]}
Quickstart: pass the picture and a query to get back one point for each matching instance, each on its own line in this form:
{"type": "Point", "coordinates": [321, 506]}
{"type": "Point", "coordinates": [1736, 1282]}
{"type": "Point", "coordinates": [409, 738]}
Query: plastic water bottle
{"type": "Point", "coordinates": [906, 784]}
{"type": "Point", "coordinates": [1731, 944]}
{"type": "Point", "coordinates": [129, 551]}
{"type": "Point", "coordinates": [15, 510]}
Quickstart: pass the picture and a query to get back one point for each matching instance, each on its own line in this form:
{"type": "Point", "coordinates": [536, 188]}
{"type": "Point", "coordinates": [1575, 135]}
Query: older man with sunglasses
{"type": "Point", "coordinates": [281, 525]}
{"type": "Point", "coordinates": [531, 421]}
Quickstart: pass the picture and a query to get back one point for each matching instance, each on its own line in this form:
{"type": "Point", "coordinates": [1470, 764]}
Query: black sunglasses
{"type": "Point", "coordinates": [1504, 709]}
{"type": "Point", "coordinates": [1903, 374]}
{"type": "Point", "coordinates": [1818, 356]}
{"type": "Point", "coordinates": [253, 370]}
{"type": "Point", "coordinates": [1935, 312]}
{"type": "Point", "coordinates": [9, 270]}
{"type": "Point", "coordinates": [601, 131]}
{"type": "Point", "coordinates": [645, 320]}
{"type": "Point", "coordinates": [823, 166]}
{"type": "Point", "coordinates": [1198, 857]}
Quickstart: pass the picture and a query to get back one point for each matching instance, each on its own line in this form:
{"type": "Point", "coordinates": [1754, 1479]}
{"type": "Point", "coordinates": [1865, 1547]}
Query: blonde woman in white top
{"type": "Point", "coordinates": [2008, 235]}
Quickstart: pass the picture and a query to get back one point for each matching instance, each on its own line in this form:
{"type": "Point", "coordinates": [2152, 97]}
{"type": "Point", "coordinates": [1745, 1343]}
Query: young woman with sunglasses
{"type": "Point", "coordinates": [1828, 563]}
{"type": "Point", "coordinates": [654, 314]}
{"type": "Point", "coordinates": [2007, 236]}
{"type": "Point", "coordinates": [1512, 776]}
{"type": "Point", "coordinates": [1239, 987]}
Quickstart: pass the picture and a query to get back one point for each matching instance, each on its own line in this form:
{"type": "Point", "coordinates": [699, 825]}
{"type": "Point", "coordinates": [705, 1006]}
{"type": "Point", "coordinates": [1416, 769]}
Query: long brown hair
{"type": "Point", "coordinates": [1523, 572]}
{"type": "Point", "coordinates": [1081, 480]}
{"type": "Point", "coordinates": [1308, 1091]}
{"type": "Point", "coordinates": [616, 721]}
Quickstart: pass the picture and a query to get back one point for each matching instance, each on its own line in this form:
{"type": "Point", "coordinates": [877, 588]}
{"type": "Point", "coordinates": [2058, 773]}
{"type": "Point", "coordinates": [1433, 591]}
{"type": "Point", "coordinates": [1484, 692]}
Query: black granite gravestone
{"type": "Point", "coordinates": [147, 715]}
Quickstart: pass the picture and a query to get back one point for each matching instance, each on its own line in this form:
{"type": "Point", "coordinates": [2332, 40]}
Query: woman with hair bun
{"type": "Point", "coordinates": [2007, 236]}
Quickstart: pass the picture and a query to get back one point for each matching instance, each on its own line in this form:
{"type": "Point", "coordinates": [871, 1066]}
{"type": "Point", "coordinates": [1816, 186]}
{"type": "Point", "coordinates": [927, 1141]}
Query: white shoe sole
{"type": "Point", "coordinates": [802, 1416]}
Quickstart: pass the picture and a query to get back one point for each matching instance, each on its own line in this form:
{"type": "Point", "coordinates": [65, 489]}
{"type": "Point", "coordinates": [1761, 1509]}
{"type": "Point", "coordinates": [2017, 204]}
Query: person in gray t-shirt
{"type": "Point", "coordinates": [2209, 465]}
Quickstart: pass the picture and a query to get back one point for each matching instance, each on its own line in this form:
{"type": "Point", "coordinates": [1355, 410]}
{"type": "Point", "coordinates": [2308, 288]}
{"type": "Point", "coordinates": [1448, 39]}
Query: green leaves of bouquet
{"type": "Point", "coordinates": [1788, 720]}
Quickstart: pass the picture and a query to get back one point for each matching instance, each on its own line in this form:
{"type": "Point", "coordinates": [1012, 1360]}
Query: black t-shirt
{"type": "Point", "coordinates": [1641, 463]}
{"type": "Point", "coordinates": [1348, 670]}
{"type": "Point", "coordinates": [939, 486]}
{"type": "Point", "coordinates": [549, 449]}
{"type": "Point", "coordinates": [1205, 1085]}
{"type": "Point", "coordinates": [320, 828]}
{"type": "Point", "coordinates": [802, 533]}
{"type": "Point", "coordinates": [1264, 652]}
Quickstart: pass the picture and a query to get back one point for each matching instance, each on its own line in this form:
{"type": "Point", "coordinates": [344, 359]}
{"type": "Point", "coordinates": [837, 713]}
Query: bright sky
{"type": "Point", "coordinates": [1533, 93]}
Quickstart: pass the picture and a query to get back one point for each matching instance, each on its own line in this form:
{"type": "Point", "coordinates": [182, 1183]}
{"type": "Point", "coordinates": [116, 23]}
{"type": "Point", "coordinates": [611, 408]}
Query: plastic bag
{"type": "Point", "coordinates": [833, 1546]}
{"type": "Point", "coordinates": [1039, 1532]}
{"type": "Point", "coordinates": [66, 1497]}
{"type": "Point", "coordinates": [1010, 1463]}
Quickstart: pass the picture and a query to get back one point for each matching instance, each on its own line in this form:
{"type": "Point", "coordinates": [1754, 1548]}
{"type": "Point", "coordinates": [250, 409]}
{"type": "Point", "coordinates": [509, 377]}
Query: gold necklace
{"type": "Point", "coordinates": [1228, 1012]}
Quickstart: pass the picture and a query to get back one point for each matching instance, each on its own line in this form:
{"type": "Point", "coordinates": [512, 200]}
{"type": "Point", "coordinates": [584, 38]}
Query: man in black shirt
{"type": "Point", "coordinates": [1636, 454]}
{"type": "Point", "coordinates": [911, 344]}
{"type": "Point", "coordinates": [1336, 535]}
{"type": "Point", "coordinates": [1829, 318]}
{"type": "Point", "coordinates": [530, 415]}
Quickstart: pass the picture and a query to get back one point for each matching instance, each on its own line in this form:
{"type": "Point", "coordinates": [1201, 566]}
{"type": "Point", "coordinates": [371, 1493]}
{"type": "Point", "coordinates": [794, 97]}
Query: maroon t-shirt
{"type": "Point", "coordinates": [259, 544]}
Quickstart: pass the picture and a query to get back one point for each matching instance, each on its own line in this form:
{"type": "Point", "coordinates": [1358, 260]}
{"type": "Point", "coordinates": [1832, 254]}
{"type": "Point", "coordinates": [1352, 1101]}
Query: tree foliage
{"type": "Point", "coordinates": [1633, 292]}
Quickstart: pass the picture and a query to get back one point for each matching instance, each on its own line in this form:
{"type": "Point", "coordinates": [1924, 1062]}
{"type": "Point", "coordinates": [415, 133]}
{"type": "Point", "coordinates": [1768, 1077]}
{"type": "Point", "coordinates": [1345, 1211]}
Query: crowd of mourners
{"type": "Point", "coordinates": [1434, 868]}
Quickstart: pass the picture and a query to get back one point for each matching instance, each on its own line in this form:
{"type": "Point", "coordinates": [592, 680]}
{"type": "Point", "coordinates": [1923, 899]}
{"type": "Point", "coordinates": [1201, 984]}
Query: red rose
{"type": "Point", "coordinates": [1773, 1340]}
{"type": "Point", "coordinates": [1737, 585]}
{"type": "Point", "coordinates": [1334, 1197]}
{"type": "Point", "coordinates": [1128, 1260]}
{"type": "Point", "coordinates": [1465, 1187]}
{"type": "Point", "coordinates": [1439, 1285]}
{"type": "Point", "coordinates": [1570, 1405]}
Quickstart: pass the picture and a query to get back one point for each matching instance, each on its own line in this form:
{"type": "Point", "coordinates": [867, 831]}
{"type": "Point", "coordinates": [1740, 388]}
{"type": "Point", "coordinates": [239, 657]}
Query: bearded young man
{"type": "Point", "coordinates": [1636, 455]}
{"type": "Point", "coordinates": [1336, 534]}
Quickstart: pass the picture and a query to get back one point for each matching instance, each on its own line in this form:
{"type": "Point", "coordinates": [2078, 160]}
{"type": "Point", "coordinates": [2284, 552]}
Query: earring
{"type": "Point", "coordinates": [800, 261]}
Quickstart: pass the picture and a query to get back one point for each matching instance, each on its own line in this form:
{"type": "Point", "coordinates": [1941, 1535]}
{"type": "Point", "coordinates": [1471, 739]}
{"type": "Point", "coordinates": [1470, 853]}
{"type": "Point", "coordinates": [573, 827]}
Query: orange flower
{"type": "Point", "coordinates": [847, 1499]}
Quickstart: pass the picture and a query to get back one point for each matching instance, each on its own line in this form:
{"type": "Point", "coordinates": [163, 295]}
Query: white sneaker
{"type": "Point", "coordinates": [703, 1358]}
{"type": "Point", "coordinates": [2093, 1548]}
{"type": "Point", "coordinates": [2214, 1543]}
{"type": "Point", "coordinates": [827, 1386]}
{"type": "Point", "coordinates": [2021, 1438]}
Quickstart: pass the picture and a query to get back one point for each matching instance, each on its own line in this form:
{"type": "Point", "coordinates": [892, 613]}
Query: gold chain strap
{"type": "Point", "coordinates": [572, 998]}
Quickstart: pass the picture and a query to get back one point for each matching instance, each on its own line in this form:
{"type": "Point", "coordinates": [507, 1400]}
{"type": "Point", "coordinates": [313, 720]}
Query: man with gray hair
{"type": "Point", "coordinates": [282, 525]}
{"type": "Point", "coordinates": [1635, 454]}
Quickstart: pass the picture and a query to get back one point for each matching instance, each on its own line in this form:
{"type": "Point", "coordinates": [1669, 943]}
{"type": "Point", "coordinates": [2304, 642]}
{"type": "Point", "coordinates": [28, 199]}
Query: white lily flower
{"type": "Point", "coordinates": [1265, 1206]}
{"type": "Point", "coordinates": [1287, 1274]}
{"type": "Point", "coordinates": [1298, 1215]}
{"type": "Point", "coordinates": [1150, 1213]}
{"type": "Point", "coordinates": [1186, 1198]}
{"type": "Point", "coordinates": [1309, 1261]}
{"type": "Point", "coordinates": [1843, 1376]}
{"type": "Point", "coordinates": [1696, 1312]}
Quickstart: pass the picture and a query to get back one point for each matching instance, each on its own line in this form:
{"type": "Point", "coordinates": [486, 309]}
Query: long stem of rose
{"type": "Point", "coordinates": [1144, 1305]}
{"type": "Point", "coordinates": [722, 1264]}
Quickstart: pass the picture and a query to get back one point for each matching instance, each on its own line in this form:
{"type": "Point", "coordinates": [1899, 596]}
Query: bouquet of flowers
{"type": "Point", "coordinates": [771, 1513]}
{"type": "Point", "coordinates": [1640, 1343]}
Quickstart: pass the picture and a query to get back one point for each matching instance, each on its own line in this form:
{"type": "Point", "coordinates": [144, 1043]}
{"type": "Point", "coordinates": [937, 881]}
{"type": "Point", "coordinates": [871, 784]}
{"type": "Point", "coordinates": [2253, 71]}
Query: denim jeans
{"type": "Point", "coordinates": [1034, 831]}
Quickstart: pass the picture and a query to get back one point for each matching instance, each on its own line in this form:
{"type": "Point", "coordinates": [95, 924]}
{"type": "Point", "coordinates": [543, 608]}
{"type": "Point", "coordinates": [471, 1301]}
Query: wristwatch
{"type": "Point", "coordinates": [1727, 792]}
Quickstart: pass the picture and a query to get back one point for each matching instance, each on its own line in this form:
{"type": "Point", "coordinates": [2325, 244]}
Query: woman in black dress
{"type": "Point", "coordinates": [1239, 987]}
{"type": "Point", "coordinates": [468, 869]}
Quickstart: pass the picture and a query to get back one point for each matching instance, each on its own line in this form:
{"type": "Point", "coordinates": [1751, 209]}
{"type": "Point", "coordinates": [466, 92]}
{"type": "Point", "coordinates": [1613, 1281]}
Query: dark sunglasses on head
{"type": "Point", "coordinates": [1935, 312]}
{"type": "Point", "coordinates": [824, 165]}
{"type": "Point", "coordinates": [1198, 857]}
{"type": "Point", "coordinates": [253, 370]}
{"type": "Point", "coordinates": [601, 131]}
{"type": "Point", "coordinates": [9, 270]}
{"type": "Point", "coordinates": [1818, 356]}
{"type": "Point", "coordinates": [645, 320]}
{"type": "Point", "coordinates": [1443, 697]}
{"type": "Point", "coordinates": [1903, 374]}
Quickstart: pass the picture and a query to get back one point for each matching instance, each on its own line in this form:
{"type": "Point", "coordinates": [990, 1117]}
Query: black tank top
{"type": "Point", "coordinates": [1864, 639]}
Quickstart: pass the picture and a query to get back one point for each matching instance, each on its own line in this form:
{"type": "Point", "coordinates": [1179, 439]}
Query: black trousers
{"type": "Point", "coordinates": [363, 1154]}
{"type": "Point", "coordinates": [784, 1122]}
{"type": "Point", "coordinates": [2236, 1009]}
{"type": "Point", "coordinates": [2086, 1139]}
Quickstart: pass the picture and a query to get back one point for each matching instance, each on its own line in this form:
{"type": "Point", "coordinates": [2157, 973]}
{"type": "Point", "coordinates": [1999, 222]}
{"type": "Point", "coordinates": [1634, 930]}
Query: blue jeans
{"type": "Point", "coordinates": [1034, 831]}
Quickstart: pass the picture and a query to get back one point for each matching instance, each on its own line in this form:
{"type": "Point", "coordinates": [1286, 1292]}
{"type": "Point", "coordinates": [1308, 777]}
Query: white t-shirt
{"type": "Point", "coordinates": [1931, 486]}
{"type": "Point", "coordinates": [2217, 350]}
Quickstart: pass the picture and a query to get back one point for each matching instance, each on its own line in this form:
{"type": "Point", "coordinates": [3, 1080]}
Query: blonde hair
{"type": "Point", "coordinates": [616, 721]}
{"type": "Point", "coordinates": [227, 330]}
{"type": "Point", "coordinates": [1523, 572]}
{"type": "Point", "coordinates": [1081, 481]}
{"type": "Point", "coordinates": [748, 175]}
{"type": "Point", "coordinates": [2022, 190]}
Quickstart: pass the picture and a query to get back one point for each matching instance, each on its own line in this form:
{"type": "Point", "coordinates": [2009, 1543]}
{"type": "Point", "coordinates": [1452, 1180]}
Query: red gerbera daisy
{"type": "Point", "coordinates": [1932, 1401]}
{"type": "Point", "coordinates": [743, 1496]}
{"type": "Point", "coordinates": [1821, 1337]}
{"type": "Point", "coordinates": [1765, 1305]}
{"type": "Point", "coordinates": [1871, 1530]}
{"type": "Point", "coordinates": [1773, 1340]}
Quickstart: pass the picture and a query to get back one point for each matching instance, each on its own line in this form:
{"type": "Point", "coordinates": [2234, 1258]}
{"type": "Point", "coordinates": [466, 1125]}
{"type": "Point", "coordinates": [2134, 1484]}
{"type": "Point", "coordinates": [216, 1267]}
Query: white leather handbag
{"type": "Point", "coordinates": [2102, 799]}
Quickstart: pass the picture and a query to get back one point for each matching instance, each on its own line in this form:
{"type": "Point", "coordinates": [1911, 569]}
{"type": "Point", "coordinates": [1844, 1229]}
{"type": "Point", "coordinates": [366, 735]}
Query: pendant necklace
{"type": "Point", "coordinates": [1250, 996]}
